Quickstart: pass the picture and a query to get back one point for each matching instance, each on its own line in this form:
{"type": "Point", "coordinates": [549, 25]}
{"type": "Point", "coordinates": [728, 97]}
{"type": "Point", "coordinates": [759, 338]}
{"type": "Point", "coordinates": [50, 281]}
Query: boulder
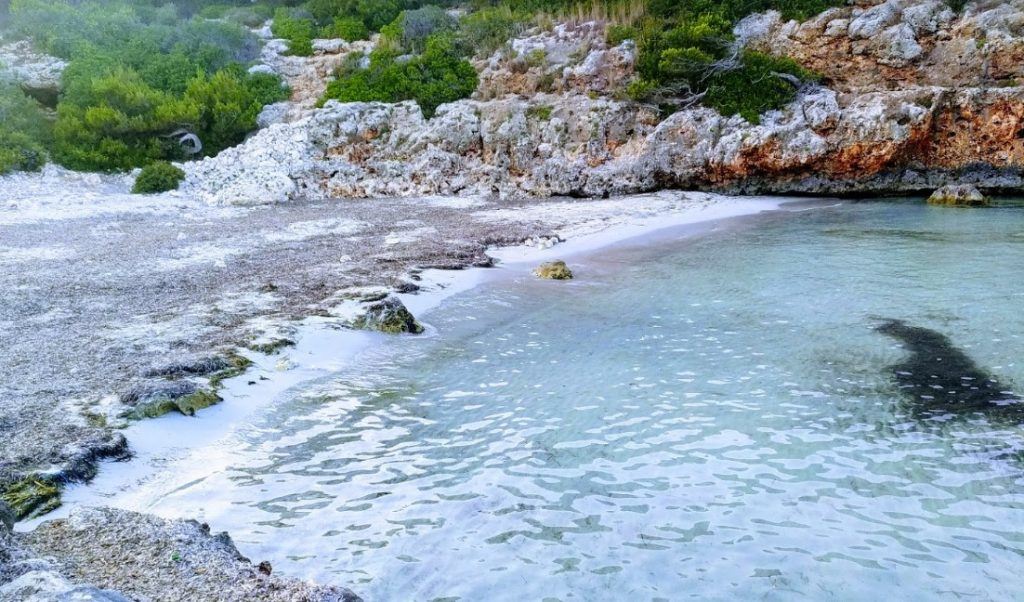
{"type": "Point", "coordinates": [554, 270]}
{"type": "Point", "coordinates": [958, 195]}
{"type": "Point", "coordinates": [38, 74]}
{"type": "Point", "coordinates": [388, 315]}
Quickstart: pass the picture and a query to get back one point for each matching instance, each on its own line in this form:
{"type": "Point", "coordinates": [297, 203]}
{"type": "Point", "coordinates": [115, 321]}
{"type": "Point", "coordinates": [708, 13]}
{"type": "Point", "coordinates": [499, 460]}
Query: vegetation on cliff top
{"type": "Point", "coordinates": [144, 82]}
{"type": "Point", "coordinates": [153, 81]}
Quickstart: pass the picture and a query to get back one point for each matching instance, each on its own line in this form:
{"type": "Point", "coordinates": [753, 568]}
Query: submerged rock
{"type": "Point", "coordinates": [554, 270]}
{"type": "Point", "coordinates": [958, 195]}
{"type": "Point", "coordinates": [939, 378]}
{"type": "Point", "coordinates": [388, 315]}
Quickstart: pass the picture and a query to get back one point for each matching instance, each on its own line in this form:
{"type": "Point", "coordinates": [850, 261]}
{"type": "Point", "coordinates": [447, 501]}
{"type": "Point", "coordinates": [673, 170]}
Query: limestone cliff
{"type": "Point", "coordinates": [913, 96]}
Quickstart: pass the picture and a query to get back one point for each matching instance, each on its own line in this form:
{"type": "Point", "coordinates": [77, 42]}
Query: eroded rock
{"type": "Point", "coordinates": [554, 270]}
{"type": "Point", "coordinates": [958, 195]}
{"type": "Point", "coordinates": [388, 315]}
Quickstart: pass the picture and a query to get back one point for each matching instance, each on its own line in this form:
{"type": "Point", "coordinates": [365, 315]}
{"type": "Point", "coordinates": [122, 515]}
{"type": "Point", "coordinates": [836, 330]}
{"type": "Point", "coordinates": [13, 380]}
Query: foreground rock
{"type": "Point", "coordinates": [554, 270]}
{"type": "Point", "coordinates": [962, 195]}
{"type": "Point", "coordinates": [115, 555]}
{"type": "Point", "coordinates": [388, 315]}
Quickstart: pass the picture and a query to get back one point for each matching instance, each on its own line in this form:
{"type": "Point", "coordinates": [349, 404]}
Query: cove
{"type": "Point", "coordinates": [710, 416]}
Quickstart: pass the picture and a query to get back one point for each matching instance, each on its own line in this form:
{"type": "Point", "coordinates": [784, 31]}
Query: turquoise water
{"type": "Point", "coordinates": [712, 417]}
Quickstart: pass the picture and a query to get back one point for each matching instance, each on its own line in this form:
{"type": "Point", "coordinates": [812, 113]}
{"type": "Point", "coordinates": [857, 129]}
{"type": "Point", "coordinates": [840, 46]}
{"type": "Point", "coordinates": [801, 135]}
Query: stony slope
{"type": "Point", "coordinates": [914, 96]}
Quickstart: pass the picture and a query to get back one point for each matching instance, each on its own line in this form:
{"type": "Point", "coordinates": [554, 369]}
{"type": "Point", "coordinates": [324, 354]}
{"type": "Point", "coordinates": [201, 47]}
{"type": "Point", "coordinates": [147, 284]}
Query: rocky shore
{"type": "Point", "coordinates": [912, 97]}
{"type": "Point", "coordinates": [171, 296]}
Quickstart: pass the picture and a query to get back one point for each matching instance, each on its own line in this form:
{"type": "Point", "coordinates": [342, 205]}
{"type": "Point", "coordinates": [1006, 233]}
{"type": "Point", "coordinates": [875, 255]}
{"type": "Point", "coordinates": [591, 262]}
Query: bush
{"type": "Point", "coordinates": [24, 131]}
{"type": "Point", "coordinates": [140, 77]}
{"type": "Point", "coordinates": [618, 34]}
{"type": "Point", "coordinates": [436, 77]}
{"type": "Point", "coordinates": [296, 29]}
{"type": "Point", "coordinates": [156, 177]}
{"type": "Point", "coordinates": [488, 29]}
{"type": "Point", "coordinates": [346, 29]}
{"type": "Point", "coordinates": [754, 87]}
{"type": "Point", "coordinates": [410, 31]}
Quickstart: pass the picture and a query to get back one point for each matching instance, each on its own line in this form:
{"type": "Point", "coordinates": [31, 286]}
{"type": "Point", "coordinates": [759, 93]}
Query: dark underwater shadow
{"type": "Point", "coordinates": [939, 380]}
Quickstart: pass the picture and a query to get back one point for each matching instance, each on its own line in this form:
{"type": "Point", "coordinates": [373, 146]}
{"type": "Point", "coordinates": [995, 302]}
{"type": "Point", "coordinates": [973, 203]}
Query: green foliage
{"type": "Point", "coordinates": [618, 34]}
{"type": "Point", "coordinates": [160, 176]}
{"type": "Point", "coordinates": [296, 29]}
{"type": "Point", "coordinates": [684, 50]}
{"type": "Point", "coordinates": [488, 29]}
{"type": "Point", "coordinates": [437, 76]}
{"type": "Point", "coordinates": [24, 131]}
{"type": "Point", "coordinates": [411, 30]}
{"type": "Point", "coordinates": [754, 87]}
{"type": "Point", "coordinates": [347, 29]}
{"type": "Point", "coordinates": [139, 76]}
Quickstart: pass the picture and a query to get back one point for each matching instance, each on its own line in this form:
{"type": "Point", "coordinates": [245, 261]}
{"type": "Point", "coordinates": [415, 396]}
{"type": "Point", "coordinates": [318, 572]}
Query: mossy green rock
{"type": "Point", "coordinates": [31, 496]}
{"type": "Point", "coordinates": [388, 315]}
{"type": "Point", "coordinates": [554, 270]}
{"type": "Point", "coordinates": [188, 403]}
{"type": "Point", "coordinates": [959, 195]}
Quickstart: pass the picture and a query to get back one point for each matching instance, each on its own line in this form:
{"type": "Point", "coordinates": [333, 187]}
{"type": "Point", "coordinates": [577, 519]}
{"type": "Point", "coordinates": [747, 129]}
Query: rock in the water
{"type": "Point", "coordinates": [388, 315]}
{"type": "Point", "coordinates": [958, 195]}
{"type": "Point", "coordinates": [555, 270]}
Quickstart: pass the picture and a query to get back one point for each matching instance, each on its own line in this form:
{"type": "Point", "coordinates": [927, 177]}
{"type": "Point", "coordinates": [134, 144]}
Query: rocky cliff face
{"type": "Point", "coordinates": [914, 96]}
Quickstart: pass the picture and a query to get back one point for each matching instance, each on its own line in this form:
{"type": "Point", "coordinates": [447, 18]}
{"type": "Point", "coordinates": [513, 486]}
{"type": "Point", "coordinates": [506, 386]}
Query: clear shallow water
{"type": "Point", "coordinates": [712, 418]}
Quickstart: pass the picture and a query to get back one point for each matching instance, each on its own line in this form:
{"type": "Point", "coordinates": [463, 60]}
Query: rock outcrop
{"type": "Point", "coordinates": [38, 74]}
{"type": "Point", "coordinates": [896, 113]}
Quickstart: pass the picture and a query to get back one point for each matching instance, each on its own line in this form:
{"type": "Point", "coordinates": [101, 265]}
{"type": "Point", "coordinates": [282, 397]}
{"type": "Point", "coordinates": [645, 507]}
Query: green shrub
{"type": "Point", "coordinates": [140, 77]}
{"type": "Point", "coordinates": [411, 30]}
{"type": "Point", "coordinates": [685, 48]}
{"type": "Point", "coordinates": [618, 34]}
{"type": "Point", "coordinates": [346, 29]}
{"type": "Point", "coordinates": [437, 76]}
{"type": "Point", "coordinates": [297, 30]}
{"type": "Point", "coordinates": [159, 176]}
{"type": "Point", "coordinates": [488, 29]}
{"type": "Point", "coordinates": [24, 131]}
{"type": "Point", "coordinates": [754, 87]}
{"type": "Point", "coordinates": [254, 15]}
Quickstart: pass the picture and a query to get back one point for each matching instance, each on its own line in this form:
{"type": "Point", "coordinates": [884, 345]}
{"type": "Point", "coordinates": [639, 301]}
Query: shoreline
{"type": "Point", "coordinates": [156, 464]}
{"type": "Point", "coordinates": [277, 373]}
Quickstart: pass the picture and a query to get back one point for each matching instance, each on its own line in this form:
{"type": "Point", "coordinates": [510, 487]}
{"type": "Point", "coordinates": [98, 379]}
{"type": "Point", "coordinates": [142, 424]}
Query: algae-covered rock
{"type": "Point", "coordinates": [554, 270]}
{"type": "Point", "coordinates": [388, 315]}
{"type": "Point", "coordinates": [958, 195]}
{"type": "Point", "coordinates": [151, 401]}
{"type": "Point", "coordinates": [31, 496]}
